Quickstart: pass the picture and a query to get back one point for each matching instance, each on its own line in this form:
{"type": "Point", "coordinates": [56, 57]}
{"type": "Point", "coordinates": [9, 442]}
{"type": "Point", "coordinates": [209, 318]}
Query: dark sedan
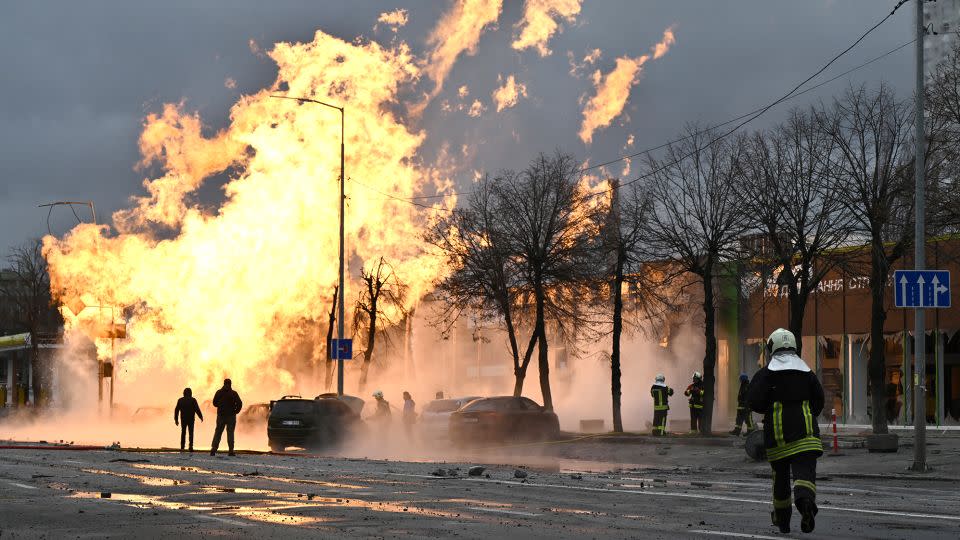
{"type": "Point", "coordinates": [503, 419]}
{"type": "Point", "coordinates": [309, 423]}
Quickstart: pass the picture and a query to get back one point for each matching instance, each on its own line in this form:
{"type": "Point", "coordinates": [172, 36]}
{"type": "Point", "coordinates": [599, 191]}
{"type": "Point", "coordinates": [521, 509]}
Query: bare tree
{"type": "Point", "coordinates": [549, 223]}
{"type": "Point", "coordinates": [484, 281]}
{"type": "Point", "coordinates": [329, 362]}
{"type": "Point", "coordinates": [625, 251]}
{"type": "Point", "coordinates": [787, 190]}
{"type": "Point", "coordinates": [697, 221]}
{"type": "Point", "coordinates": [380, 305]}
{"type": "Point", "coordinates": [27, 291]}
{"type": "Point", "coordinates": [872, 167]}
{"type": "Point", "coordinates": [943, 145]}
{"type": "Point", "coordinates": [523, 241]}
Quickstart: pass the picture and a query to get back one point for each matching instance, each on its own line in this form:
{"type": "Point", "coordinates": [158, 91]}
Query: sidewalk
{"type": "Point", "coordinates": [726, 453]}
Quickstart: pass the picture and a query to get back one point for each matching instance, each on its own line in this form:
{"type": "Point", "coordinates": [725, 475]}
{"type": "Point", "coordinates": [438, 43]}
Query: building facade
{"type": "Point", "coordinates": [836, 339]}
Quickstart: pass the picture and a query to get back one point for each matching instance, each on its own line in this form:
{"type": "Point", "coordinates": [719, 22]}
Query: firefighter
{"type": "Point", "coordinates": [382, 414]}
{"type": "Point", "coordinates": [695, 394]}
{"type": "Point", "coordinates": [743, 412]}
{"type": "Point", "coordinates": [661, 394]}
{"type": "Point", "coordinates": [790, 398]}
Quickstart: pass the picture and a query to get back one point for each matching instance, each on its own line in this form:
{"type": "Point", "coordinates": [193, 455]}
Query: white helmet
{"type": "Point", "coordinates": [781, 339]}
{"type": "Point", "coordinates": [378, 394]}
{"type": "Point", "coordinates": [697, 376]}
{"type": "Point", "coordinates": [660, 378]}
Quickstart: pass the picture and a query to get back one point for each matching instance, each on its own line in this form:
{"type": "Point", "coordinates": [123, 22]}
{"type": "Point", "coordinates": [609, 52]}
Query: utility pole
{"type": "Point", "coordinates": [920, 336]}
{"type": "Point", "coordinates": [343, 290]}
{"type": "Point", "coordinates": [343, 181]}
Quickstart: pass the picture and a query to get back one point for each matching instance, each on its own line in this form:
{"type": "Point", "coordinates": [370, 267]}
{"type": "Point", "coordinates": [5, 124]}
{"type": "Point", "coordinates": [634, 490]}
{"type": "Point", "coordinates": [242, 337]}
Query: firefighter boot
{"type": "Point", "coordinates": [808, 510]}
{"type": "Point", "coordinates": [735, 431]}
{"type": "Point", "coordinates": [781, 518]}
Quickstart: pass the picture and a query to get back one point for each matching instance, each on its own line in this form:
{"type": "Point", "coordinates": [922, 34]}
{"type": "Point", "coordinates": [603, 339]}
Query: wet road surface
{"type": "Point", "coordinates": [122, 494]}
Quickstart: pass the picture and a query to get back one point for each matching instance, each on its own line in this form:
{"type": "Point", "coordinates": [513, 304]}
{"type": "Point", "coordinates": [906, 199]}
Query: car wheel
{"type": "Point", "coordinates": [277, 447]}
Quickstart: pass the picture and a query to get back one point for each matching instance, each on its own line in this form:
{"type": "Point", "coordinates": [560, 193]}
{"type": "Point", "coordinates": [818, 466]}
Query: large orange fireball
{"type": "Point", "coordinates": [209, 292]}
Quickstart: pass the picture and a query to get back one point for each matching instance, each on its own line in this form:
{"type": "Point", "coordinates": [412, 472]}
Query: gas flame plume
{"type": "Point", "coordinates": [229, 292]}
{"type": "Point", "coordinates": [539, 22]}
{"type": "Point", "coordinates": [509, 94]}
{"type": "Point", "coordinates": [613, 90]}
{"type": "Point", "coordinates": [458, 32]}
{"type": "Point", "coordinates": [394, 19]}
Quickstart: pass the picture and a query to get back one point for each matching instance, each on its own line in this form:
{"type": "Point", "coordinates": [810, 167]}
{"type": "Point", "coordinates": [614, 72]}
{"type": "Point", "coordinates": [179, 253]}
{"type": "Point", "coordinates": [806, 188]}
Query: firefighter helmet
{"type": "Point", "coordinates": [378, 394]}
{"type": "Point", "coordinates": [697, 376]}
{"type": "Point", "coordinates": [660, 378]}
{"type": "Point", "coordinates": [781, 339]}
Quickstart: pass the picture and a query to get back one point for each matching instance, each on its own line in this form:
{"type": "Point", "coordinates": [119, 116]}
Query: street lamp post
{"type": "Point", "coordinates": [343, 180]}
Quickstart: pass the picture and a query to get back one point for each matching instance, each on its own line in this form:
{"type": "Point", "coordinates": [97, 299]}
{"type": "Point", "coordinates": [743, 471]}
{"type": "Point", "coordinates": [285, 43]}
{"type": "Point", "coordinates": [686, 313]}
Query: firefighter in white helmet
{"type": "Point", "coordinates": [382, 413]}
{"type": "Point", "coordinates": [790, 398]}
{"type": "Point", "coordinates": [661, 394]}
{"type": "Point", "coordinates": [694, 393]}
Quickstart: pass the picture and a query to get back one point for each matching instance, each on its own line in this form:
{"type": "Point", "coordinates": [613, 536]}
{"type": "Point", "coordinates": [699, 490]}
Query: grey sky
{"type": "Point", "coordinates": [78, 78]}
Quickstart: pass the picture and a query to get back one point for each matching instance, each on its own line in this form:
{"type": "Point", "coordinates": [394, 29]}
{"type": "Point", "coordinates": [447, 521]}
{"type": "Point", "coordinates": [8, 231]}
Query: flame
{"type": "Point", "coordinates": [226, 292]}
{"type": "Point", "coordinates": [476, 109]}
{"type": "Point", "coordinates": [577, 68]}
{"type": "Point", "coordinates": [394, 19]}
{"type": "Point", "coordinates": [661, 48]}
{"type": "Point", "coordinates": [539, 22]}
{"type": "Point", "coordinates": [458, 31]}
{"type": "Point", "coordinates": [613, 90]}
{"type": "Point", "coordinates": [509, 94]}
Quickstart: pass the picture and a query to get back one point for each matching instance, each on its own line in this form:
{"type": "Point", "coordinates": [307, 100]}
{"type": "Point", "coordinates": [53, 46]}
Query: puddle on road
{"type": "Point", "coordinates": [146, 480]}
{"type": "Point", "coordinates": [198, 470]}
{"type": "Point", "coordinates": [275, 507]}
{"type": "Point", "coordinates": [266, 512]}
{"type": "Point", "coordinates": [139, 501]}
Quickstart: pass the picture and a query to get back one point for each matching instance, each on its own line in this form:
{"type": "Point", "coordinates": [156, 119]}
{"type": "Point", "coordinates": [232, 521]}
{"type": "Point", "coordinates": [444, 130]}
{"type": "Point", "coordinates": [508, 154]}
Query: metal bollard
{"type": "Point", "coordinates": [836, 445]}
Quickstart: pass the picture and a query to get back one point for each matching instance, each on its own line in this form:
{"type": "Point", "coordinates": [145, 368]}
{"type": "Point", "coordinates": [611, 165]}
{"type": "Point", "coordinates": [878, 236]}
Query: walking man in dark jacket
{"type": "Point", "coordinates": [661, 394]}
{"type": "Point", "coordinates": [744, 416]}
{"type": "Point", "coordinates": [695, 394]}
{"type": "Point", "coordinates": [228, 404]}
{"type": "Point", "coordinates": [183, 415]}
{"type": "Point", "coordinates": [790, 398]}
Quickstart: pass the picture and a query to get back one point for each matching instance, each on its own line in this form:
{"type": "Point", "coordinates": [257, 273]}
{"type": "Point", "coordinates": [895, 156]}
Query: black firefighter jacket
{"type": "Point", "coordinates": [661, 397]}
{"type": "Point", "coordinates": [790, 401]}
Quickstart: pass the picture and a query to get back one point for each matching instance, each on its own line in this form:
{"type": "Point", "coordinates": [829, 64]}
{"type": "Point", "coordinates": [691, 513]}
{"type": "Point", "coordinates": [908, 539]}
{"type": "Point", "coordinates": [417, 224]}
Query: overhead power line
{"type": "Point", "coordinates": [747, 117]}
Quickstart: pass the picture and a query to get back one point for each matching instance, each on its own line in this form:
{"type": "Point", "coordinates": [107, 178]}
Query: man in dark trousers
{"type": "Point", "coordinates": [790, 398]}
{"type": "Point", "coordinates": [695, 394]}
{"type": "Point", "coordinates": [228, 405]}
{"type": "Point", "coordinates": [661, 394]}
{"type": "Point", "coordinates": [183, 415]}
{"type": "Point", "coordinates": [744, 415]}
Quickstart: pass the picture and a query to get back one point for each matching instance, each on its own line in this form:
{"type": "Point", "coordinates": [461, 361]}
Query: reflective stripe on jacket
{"type": "Point", "coordinates": [695, 392]}
{"type": "Point", "coordinates": [661, 396]}
{"type": "Point", "coordinates": [790, 401]}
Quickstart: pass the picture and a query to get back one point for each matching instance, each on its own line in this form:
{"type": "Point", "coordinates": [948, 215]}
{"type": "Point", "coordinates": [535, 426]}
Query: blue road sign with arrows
{"type": "Point", "coordinates": [341, 349]}
{"type": "Point", "coordinates": [921, 288]}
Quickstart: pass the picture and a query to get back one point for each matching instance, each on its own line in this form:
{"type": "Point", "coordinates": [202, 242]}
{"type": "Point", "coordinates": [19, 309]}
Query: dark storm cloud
{"type": "Point", "coordinates": [78, 78]}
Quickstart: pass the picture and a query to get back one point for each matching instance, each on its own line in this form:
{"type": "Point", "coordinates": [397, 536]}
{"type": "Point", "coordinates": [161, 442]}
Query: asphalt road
{"type": "Point", "coordinates": [60, 494]}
